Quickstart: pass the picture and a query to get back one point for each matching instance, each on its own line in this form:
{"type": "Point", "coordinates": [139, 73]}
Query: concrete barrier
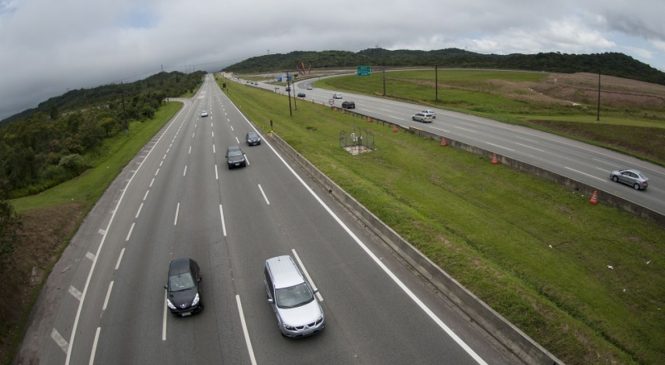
{"type": "Point", "coordinates": [505, 332]}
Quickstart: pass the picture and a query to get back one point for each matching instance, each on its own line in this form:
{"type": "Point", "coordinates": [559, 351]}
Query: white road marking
{"type": "Point", "coordinates": [101, 231]}
{"type": "Point", "coordinates": [184, 172]}
{"type": "Point", "coordinates": [168, 149]}
{"type": "Point", "coordinates": [440, 129]}
{"type": "Point", "coordinates": [164, 318]}
{"type": "Point", "coordinates": [147, 191]}
{"type": "Point", "coordinates": [138, 212]}
{"type": "Point", "coordinates": [161, 163]}
{"type": "Point", "coordinates": [211, 126]}
{"type": "Point", "coordinates": [465, 129]}
{"type": "Point", "coordinates": [129, 234]}
{"type": "Point", "coordinates": [108, 295]}
{"type": "Point", "coordinates": [602, 169]}
{"type": "Point", "coordinates": [214, 150]}
{"type": "Point", "coordinates": [74, 292]}
{"type": "Point", "coordinates": [59, 340]}
{"type": "Point", "coordinates": [157, 172]}
{"type": "Point", "coordinates": [117, 263]}
{"type": "Point", "coordinates": [216, 174]}
{"type": "Point", "coordinates": [309, 278]}
{"type": "Point", "coordinates": [213, 134]}
{"type": "Point", "coordinates": [237, 140]}
{"type": "Point", "coordinates": [90, 256]}
{"type": "Point", "coordinates": [193, 134]}
{"type": "Point", "coordinates": [500, 146]}
{"type": "Point", "coordinates": [189, 152]}
{"type": "Point", "coordinates": [151, 182]}
{"type": "Point", "coordinates": [221, 216]}
{"type": "Point", "coordinates": [264, 195]}
{"type": "Point", "coordinates": [245, 331]}
{"type": "Point", "coordinates": [164, 157]}
{"type": "Point", "coordinates": [585, 174]}
{"type": "Point", "coordinates": [231, 128]}
{"type": "Point", "coordinates": [531, 147]}
{"type": "Point", "coordinates": [94, 347]}
{"type": "Point", "coordinates": [101, 245]}
{"type": "Point", "coordinates": [177, 210]}
{"type": "Point", "coordinates": [228, 120]}
{"type": "Point", "coordinates": [247, 160]}
{"type": "Point", "coordinates": [376, 260]}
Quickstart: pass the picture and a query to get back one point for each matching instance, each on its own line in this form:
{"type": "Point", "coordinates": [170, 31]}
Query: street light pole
{"type": "Point", "coordinates": [288, 92]}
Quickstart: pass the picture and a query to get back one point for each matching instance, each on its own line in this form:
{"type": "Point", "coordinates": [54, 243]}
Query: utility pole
{"type": "Point", "coordinates": [598, 108]}
{"type": "Point", "coordinates": [288, 92]}
{"type": "Point", "coordinates": [436, 83]}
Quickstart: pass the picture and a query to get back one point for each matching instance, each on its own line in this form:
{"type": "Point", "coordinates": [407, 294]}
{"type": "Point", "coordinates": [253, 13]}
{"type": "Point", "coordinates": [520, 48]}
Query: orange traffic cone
{"type": "Point", "coordinates": [594, 198]}
{"type": "Point", "coordinates": [494, 159]}
{"type": "Point", "coordinates": [443, 142]}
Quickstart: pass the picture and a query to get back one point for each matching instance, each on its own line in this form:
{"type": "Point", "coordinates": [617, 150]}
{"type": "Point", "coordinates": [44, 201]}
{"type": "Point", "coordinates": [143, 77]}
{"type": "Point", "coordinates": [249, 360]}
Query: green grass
{"type": "Point", "coordinates": [492, 228]}
{"type": "Point", "coordinates": [108, 160]}
{"type": "Point", "coordinates": [480, 92]}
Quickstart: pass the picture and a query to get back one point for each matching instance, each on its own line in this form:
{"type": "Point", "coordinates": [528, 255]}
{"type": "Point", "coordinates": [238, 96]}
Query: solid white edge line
{"type": "Point", "coordinates": [584, 173]}
{"type": "Point", "coordinates": [177, 210]}
{"type": "Point", "coordinates": [309, 278]}
{"type": "Point", "coordinates": [500, 146]}
{"type": "Point", "coordinates": [138, 212]}
{"type": "Point", "coordinates": [245, 331]}
{"type": "Point", "coordinates": [164, 318]}
{"type": "Point", "coordinates": [362, 245]}
{"type": "Point", "coordinates": [94, 347]}
{"type": "Point", "coordinates": [108, 295]}
{"type": "Point", "coordinates": [117, 263]}
{"type": "Point", "coordinates": [101, 244]}
{"type": "Point", "coordinates": [264, 194]}
{"type": "Point", "coordinates": [221, 217]}
{"type": "Point", "coordinates": [216, 173]}
{"type": "Point", "coordinates": [129, 234]}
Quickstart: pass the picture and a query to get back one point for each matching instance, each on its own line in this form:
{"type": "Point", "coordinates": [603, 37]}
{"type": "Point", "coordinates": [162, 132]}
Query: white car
{"type": "Point", "coordinates": [204, 114]}
{"type": "Point", "coordinates": [422, 117]}
{"type": "Point", "coordinates": [429, 112]}
{"type": "Point", "coordinates": [337, 96]}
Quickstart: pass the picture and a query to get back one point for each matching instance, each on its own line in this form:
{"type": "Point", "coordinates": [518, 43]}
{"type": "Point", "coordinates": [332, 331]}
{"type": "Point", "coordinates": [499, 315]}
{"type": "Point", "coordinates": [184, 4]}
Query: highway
{"type": "Point", "coordinates": [178, 199]}
{"type": "Point", "coordinates": [579, 161]}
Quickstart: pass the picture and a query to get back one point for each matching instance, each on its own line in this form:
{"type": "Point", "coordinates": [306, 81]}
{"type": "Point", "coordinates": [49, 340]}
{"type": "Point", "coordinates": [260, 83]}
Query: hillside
{"type": "Point", "coordinates": [614, 64]}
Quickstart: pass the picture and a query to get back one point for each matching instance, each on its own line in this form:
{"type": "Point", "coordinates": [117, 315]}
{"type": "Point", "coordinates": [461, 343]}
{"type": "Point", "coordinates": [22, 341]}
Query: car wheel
{"type": "Point", "coordinates": [615, 178]}
{"type": "Point", "coordinates": [636, 186]}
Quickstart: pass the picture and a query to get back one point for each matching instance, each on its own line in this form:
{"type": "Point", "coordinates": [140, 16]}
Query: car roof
{"type": "Point", "coordinates": [284, 271]}
{"type": "Point", "coordinates": [231, 148]}
{"type": "Point", "coordinates": [180, 265]}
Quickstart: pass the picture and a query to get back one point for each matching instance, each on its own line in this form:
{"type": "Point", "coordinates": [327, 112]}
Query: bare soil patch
{"type": "Point", "coordinates": [42, 238]}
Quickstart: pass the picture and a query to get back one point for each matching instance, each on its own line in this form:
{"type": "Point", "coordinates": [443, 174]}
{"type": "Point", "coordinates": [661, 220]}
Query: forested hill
{"type": "Point", "coordinates": [615, 64]}
{"type": "Point", "coordinates": [56, 141]}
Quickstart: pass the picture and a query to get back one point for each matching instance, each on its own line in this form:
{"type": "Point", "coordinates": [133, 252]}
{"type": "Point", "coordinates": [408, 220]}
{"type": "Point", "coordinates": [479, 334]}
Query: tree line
{"type": "Point", "coordinates": [52, 143]}
{"type": "Point", "coordinates": [610, 63]}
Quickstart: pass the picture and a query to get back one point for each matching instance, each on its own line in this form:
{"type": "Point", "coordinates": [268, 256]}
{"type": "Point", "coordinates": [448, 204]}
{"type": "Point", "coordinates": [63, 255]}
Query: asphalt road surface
{"type": "Point", "coordinates": [178, 199]}
{"type": "Point", "coordinates": [579, 161]}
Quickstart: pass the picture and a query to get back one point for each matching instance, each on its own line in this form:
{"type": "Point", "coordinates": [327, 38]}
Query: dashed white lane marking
{"type": "Point", "coordinates": [177, 210]}
{"type": "Point", "coordinates": [138, 212]}
{"type": "Point", "coordinates": [531, 147]}
{"type": "Point", "coordinates": [221, 217]}
{"type": "Point", "coordinates": [164, 319]}
{"type": "Point", "coordinates": [151, 182]}
{"type": "Point", "coordinates": [440, 129]}
{"type": "Point", "coordinates": [189, 152]}
{"type": "Point", "coordinates": [94, 347]}
{"type": "Point", "coordinates": [237, 140]}
{"type": "Point", "coordinates": [216, 174]}
{"type": "Point", "coordinates": [193, 134]}
{"type": "Point", "coordinates": [101, 231]}
{"type": "Point", "coordinates": [264, 195]}
{"type": "Point", "coordinates": [184, 172]}
{"type": "Point", "coordinates": [146, 194]}
{"type": "Point", "coordinates": [500, 146]}
{"type": "Point", "coordinates": [161, 163]}
{"type": "Point", "coordinates": [247, 159]}
{"type": "Point", "coordinates": [213, 134]}
{"type": "Point", "coordinates": [245, 331]}
{"type": "Point", "coordinates": [584, 173]}
{"type": "Point", "coordinates": [164, 157]}
{"type": "Point", "coordinates": [90, 256]}
{"type": "Point", "coordinates": [75, 292]}
{"type": "Point", "coordinates": [213, 149]}
{"type": "Point", "coordinates": [465, 129]}
{"type": "Point", "coordinates": [129, 234]}
{"type": "Point", "coordinates": [211, 126]}
{"type": "Point", "coordinates": [59, 340]}
{"type": "Point", "coordinates": [117, 263]}
{"type": "Point", "coordinates": [309, 278]}
{"type": "Point", "coordinates": [108, 295]}
{"type": "Point", "coordinates": [157, 172]}
{"type": "Point", "coordinates": [231, 128]}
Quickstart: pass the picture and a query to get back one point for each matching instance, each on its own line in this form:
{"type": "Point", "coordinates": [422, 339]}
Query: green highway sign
{"type": "Point", "coordinates": [364, 70]}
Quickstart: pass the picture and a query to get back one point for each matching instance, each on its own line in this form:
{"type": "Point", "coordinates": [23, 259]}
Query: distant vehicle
{"type": "Point", "coordinates": [429, 112]}
{"type": "Point", "coordinates": [291, 298]}
{"type": "Point", "coordinates": [235, 157]}
{"type": "Point", "coordinates": [252, 138]}
{"type": "Point", "coordinates": [422, 117]}
{"type": "Point", "coordinates": [301, 95]}
{"type": "Point", "coordinates": [183, 293]}
{"type": "Point", "coordinates": [337, 96]}
{"type": "Point", "coordinates": [204, 114]}
{"type": "Point", "coordinates": [309, 87]}
{"type": "Point", "coordinates": [288, 88]}
{"type": "Point", "coordinates": [630, 177]}
{"type": "Point", "coordinates": [349, 105]}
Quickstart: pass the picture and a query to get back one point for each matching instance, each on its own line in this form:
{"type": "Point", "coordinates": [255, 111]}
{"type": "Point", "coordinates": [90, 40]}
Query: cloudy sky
{"type": "Point", "coordinates": [50, 46]}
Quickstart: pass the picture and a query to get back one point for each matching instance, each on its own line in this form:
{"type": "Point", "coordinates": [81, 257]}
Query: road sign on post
{"type": "Point", "coordinates": [364, 70]}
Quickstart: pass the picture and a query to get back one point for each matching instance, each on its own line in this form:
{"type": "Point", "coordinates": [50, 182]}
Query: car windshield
{"type": "Point", "coordinates": [293, 296]}
{"type": "Point", "coordinates": [235, 153]}
{"type": "Point", "coordinates": [180, 282]}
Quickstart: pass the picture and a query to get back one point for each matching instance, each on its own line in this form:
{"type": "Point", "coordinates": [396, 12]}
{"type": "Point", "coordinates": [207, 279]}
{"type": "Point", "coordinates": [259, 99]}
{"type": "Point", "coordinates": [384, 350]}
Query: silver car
{"type": "Point", "coordinates": [292, 299]}
{"type": "Point", "coordinates": [630, 177]}
{"type": "Point", "coordinates": [422, 117]}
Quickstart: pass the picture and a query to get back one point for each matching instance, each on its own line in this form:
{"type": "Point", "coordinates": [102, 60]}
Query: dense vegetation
{"type": "Point", "coordinates": [615, 64]}
{"type": "Point", "coordinates": [54, 142]}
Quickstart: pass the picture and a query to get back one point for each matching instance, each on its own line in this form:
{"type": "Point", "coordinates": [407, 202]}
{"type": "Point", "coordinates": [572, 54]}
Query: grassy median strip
{"type": "Point", "coordinates": [587, 282]}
